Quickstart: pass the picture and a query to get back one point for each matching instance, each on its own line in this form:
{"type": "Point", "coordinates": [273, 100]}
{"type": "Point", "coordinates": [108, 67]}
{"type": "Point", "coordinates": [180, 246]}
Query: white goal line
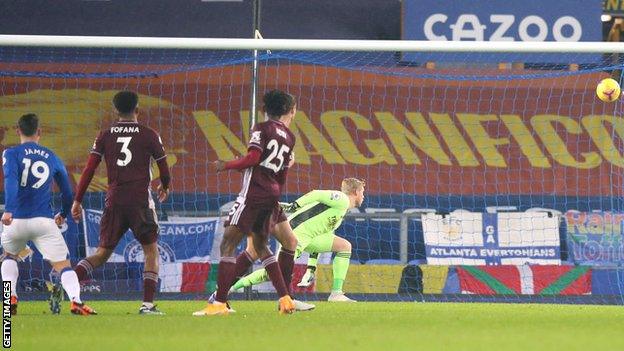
{"type": "Point", "coordinates": [309, 44]}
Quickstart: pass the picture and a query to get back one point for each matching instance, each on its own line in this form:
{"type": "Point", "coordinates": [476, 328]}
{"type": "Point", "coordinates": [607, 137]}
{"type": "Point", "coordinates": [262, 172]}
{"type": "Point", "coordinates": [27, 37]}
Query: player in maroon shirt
{"type": "Point", "coordinates": [256, 211]}
{"type": "Point", "coordinates": [128, 149]}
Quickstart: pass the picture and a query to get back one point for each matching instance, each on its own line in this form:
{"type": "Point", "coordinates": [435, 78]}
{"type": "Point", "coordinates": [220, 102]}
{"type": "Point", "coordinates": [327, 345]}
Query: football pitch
{"type": "Point", "coordinates": [361, 326]}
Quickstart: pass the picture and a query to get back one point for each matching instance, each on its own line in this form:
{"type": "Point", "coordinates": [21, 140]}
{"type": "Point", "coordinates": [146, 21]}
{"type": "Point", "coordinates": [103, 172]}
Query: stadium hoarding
{"type": "Point", "coordinates": [595, 238]}
{"type": "Point", "coordinates": [501, 20]}
{"type": "Point", "coordinates": [419, 136]}
{"type": "Point", "coordinates": [506, 238]}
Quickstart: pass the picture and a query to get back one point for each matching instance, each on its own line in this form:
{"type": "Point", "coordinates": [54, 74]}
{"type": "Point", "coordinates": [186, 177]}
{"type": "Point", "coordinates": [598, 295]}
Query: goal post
{"type": "Point", "coordinates": [483, 181]}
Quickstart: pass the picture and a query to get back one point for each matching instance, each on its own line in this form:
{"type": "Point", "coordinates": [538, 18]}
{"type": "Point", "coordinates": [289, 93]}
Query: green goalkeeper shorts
{"type": "Point", "coordinates": [316, 244]}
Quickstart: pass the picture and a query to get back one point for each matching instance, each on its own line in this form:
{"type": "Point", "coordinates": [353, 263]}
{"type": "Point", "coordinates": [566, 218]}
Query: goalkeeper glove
{"type": "Point", "coordinates": [307, 279]}
{"type": "Point", "coordinates": [292, 207]}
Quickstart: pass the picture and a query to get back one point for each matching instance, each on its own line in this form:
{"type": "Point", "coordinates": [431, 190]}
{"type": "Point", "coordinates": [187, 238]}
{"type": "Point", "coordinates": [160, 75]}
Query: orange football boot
{"type": "Point", "coordinates": [82, 309]}
{"type": "Point", "coordinates": [286, 305]}
{"type": "Point", "coordinates": [214, 309]}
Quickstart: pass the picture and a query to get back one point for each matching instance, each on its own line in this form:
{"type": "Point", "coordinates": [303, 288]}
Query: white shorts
{"type": "Point", "coordinates": [42, 231]}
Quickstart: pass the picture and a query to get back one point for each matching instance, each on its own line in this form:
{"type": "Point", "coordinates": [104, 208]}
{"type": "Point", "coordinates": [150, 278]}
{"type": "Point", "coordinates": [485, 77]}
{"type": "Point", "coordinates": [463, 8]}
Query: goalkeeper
{"type": "Point", "coordinates": [316, 216]}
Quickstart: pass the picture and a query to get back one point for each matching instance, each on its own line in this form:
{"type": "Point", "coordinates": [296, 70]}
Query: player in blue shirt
{"type": "Point", "coordinates": [29, 169]}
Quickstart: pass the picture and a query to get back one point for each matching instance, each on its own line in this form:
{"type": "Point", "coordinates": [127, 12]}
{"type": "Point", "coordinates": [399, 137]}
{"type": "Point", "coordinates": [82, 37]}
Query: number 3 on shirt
{"type": "Point", "coordinates": [277, 152]}
{"type": "Point", "coordinates": [127, 154]}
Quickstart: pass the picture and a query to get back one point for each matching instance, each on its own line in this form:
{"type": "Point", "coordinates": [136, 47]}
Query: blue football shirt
{"type": "Point", "coordinates": [29, 169]}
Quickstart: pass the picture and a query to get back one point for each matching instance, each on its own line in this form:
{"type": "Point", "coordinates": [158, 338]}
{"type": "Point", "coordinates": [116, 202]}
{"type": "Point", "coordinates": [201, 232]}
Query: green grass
{"type": "Point", "coordinates": [360, 326]}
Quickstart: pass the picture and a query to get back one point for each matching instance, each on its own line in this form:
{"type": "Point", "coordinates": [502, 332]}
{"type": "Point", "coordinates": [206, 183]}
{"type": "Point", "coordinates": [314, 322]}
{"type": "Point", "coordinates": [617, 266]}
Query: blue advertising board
{"type": "Point", "coordinates": [500, 20]}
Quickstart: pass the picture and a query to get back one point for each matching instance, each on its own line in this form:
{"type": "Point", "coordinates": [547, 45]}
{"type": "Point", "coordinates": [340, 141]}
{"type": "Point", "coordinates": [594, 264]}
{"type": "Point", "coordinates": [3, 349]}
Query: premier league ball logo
{"type": "Point", "coordinates": [134, 252]}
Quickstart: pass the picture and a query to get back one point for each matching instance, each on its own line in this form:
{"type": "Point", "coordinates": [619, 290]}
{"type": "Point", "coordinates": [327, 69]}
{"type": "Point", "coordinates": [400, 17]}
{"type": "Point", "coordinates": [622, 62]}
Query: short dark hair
{"type": "Point", "coordinates": [277, 103]}
{"type": "Point", "coordinates": [28, 124]}
{"type": "Point", "coordinates": [126, 102]}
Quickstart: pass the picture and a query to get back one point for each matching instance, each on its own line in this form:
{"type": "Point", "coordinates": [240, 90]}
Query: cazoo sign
{"type": "Point", "coordinates": [499, 20]}
{"type": "Point", "coordinates": [471, 27]}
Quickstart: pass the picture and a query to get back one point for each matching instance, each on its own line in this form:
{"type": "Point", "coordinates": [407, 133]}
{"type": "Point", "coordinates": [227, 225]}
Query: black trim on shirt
{"type": "Point", "coordinates": [307, 214]}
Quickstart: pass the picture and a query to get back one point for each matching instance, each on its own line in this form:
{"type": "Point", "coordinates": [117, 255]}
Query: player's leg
{"type": "Point", "coordinates": [256, 277]}
{"type": "Point", "coordinates": [112, 228]}
{"type": "Point", "coordinates": [250, 248]}
{"type": "Point", "coordinates": [150, 279]}
{"type": "Point", "coordinates": [340, 267]}
{"type": "Point", "coordinates": [308, 277]}
{"type": "Point", "coordinates": [269, 262]}
{"type": "Point", "coordinates": [313, 246]}
{"type": "Point", "coordinates": [53, 248]}
{"type": "Point", "coordinates": [286, 256]}
{"type": "Point", "coordinates": [227, 272]}
{"type": "Point", "coordinates": [242, 218]}
{"type": "Point", "coordinates": [304, 245]}
{"type": "Point", "coordinates": [260, 276]}
{"type": "Point", "coordinates": [303, 240]}
{"type": "Point", "coordinates": [13, 239]}
{"type": "Point", "coordinates": [144, 225]}
{"type": "Point", "coordinates": [71, 285]}
{"type": "Point", "coordinates": [243, 262]}
{"type": "Point", "coordinates": [10, 272]}
{"type": "Point", "coordinates": [227, 265]}
{"type": "Point", "coordinates": [84, 268]}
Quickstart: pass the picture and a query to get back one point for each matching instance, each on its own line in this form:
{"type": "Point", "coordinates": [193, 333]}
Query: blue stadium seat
{"type": "Point", "coordinates": [383, 261]}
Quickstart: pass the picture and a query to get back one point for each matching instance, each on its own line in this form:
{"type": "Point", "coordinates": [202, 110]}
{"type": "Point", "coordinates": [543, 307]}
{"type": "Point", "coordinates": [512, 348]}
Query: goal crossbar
{"type": "Point", "coordinates": [308, 44]}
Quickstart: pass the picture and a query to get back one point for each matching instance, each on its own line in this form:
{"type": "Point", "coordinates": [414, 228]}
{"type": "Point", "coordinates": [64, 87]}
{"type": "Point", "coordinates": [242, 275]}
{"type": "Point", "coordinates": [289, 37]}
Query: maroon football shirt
{"type": "Point", "coordinates": [276, 142]}
{"type": "Point", "coordinates": [128, 149]}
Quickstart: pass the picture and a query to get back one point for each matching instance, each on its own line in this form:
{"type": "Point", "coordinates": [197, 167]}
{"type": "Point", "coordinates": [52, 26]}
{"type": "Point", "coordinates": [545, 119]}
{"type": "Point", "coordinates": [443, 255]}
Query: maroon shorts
{"type": "Point", "coordinates": [257, 217]}
{"type": "Point", "coordinates": [116, 221]}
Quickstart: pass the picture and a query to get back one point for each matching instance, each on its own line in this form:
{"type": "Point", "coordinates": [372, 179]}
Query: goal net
{"type": "Point", "coordinates": [489, 176]}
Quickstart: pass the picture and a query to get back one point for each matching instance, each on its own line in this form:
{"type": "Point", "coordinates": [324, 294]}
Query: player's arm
{"type": "Point", "coordinates": [160, 156]}
{"type": "Point", "coordinates": [95, 157]}
{"type": "Point", "coordinates": [331, 198]}
{"type": "Point", "coordinates": [250, 160]}
{"type": "Point", "coordinates": [62, 180]}
{"type": "Point", "coordinates": [254, 152]}
{"type": "Point", "coordinates": [9, 166]}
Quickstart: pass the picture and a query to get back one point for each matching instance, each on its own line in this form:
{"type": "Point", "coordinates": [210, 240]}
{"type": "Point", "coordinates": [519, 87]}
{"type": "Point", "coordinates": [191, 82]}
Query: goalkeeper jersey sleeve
{"type": "Point", "coordinates": [331, 198]}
